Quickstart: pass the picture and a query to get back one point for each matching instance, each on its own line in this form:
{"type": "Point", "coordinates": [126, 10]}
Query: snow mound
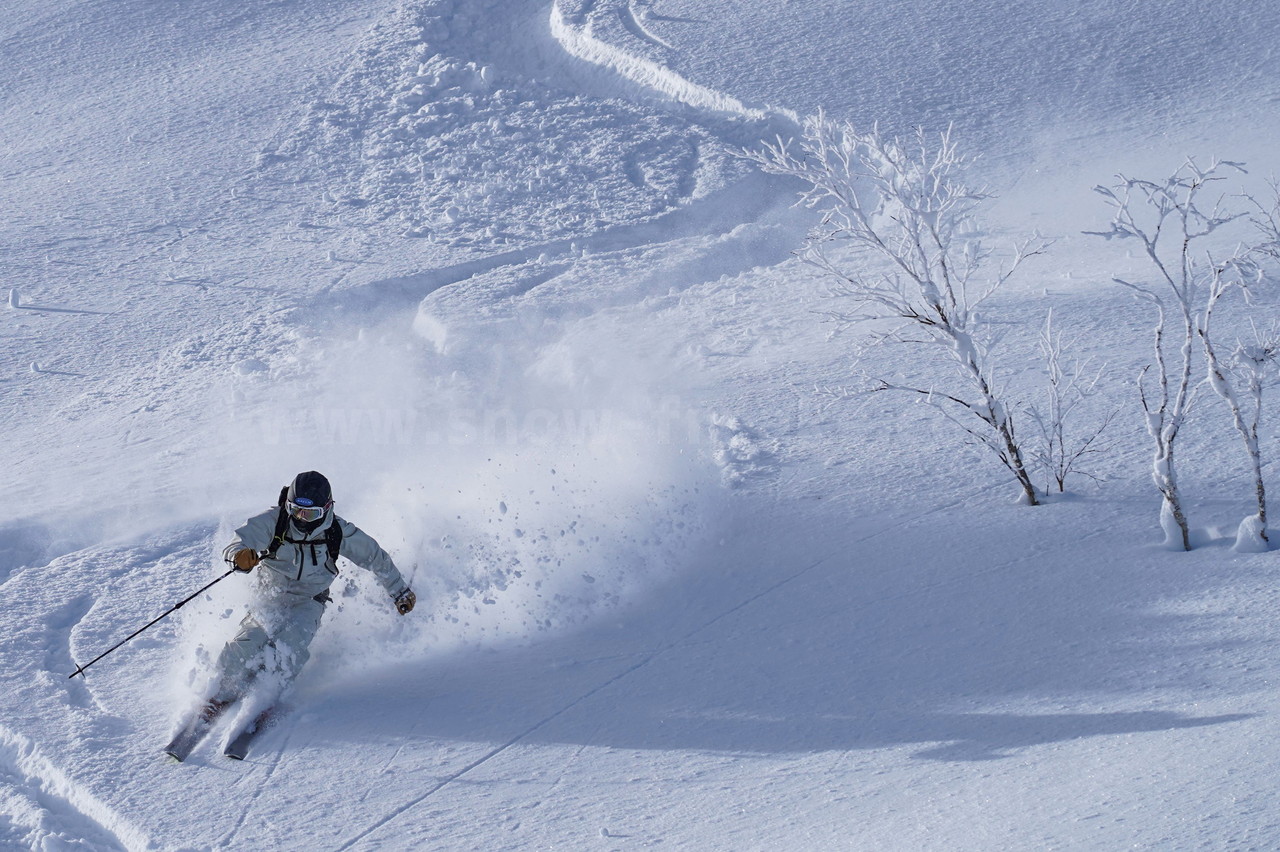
{"type": "Point", "coordinates": [742, 453]}
{"type": "Point", "coordinates": [1250, 536]}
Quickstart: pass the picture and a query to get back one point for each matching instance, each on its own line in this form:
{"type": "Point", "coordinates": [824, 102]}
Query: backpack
{"type": "Point", "coordinates": [332, 535]}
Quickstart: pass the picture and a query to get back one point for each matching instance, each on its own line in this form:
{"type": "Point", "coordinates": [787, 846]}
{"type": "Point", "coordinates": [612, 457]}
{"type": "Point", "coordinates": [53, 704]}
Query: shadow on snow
{"type": "Point", "coordinates": [922, 633]}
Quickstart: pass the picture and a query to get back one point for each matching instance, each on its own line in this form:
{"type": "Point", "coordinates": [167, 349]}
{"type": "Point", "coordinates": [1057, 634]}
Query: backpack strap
{"type": "Point", "coordinates": [282, 522]}
{"type": "Point", "coordinates": [333, 540]}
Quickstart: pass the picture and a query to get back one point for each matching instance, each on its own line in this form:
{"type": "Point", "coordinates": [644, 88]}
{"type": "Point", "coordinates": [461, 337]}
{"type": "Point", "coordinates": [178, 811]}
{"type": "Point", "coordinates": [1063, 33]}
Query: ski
{"type": "Point", "coordinates": [194, 729]}
{"type": "Point", "coordinates": [237, 747]}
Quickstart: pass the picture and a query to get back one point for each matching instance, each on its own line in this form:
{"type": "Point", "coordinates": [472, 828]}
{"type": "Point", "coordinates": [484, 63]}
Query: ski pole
{"type": "Point", "coordinates": [80, 669]}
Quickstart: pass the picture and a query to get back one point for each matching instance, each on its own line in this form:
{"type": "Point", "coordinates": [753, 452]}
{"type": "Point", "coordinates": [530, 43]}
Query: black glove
{"type": "Point", "coordinates": [404, 601]}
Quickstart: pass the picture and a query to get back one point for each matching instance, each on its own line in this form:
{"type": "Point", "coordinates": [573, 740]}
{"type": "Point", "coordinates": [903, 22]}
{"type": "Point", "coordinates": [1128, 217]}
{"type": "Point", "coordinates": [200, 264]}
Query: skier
{"type": "Point", "coordinates": [297, 545]}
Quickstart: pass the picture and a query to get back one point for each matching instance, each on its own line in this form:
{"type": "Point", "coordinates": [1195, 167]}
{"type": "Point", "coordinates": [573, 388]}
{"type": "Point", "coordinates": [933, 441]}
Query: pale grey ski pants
{"type": "Point", "coordinates": [275, 640]}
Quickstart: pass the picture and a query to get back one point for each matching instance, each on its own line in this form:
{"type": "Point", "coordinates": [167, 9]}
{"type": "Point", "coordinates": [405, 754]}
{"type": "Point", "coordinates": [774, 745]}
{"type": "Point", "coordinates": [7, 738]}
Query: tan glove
{"type": "Point", "coordinates": [404, 601]}
{"type": "Point", "coordinates": [245, 560]}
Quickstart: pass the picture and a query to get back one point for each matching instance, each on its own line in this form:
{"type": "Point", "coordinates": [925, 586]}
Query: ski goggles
{"type": "Point", "coordinates": [303, 509]}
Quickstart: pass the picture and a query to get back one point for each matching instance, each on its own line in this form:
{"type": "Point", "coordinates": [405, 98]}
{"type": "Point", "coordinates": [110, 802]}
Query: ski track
{"type": "Point", "coordinates": [63, 622]}
{"type": "Point", "coordinates": [278, 760]}
{"type": "Point", "coordinates": [395, 755]}
{"type": "Point", "coordinates": [573, 30]}
{"type": "Point", "coordinates": [631, 21]}
{"type": "Point", "coordinates": [731, 245]}
{"type": "Point", "coordinates": [690, 636]}
{"type": "Point", "coordinates": [492, 753]}
{"type": "Point", "coordinates": [553, 57]}
{"type": "Point", "coordinates": [68, 807]}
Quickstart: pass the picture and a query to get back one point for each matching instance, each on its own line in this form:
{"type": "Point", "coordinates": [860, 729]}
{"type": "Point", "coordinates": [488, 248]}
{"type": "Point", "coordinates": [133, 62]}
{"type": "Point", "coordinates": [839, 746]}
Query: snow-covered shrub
{"type": "Point", "coordinates": [1177, 226]}
{"type": "Point", "coordinates": [905, 214]}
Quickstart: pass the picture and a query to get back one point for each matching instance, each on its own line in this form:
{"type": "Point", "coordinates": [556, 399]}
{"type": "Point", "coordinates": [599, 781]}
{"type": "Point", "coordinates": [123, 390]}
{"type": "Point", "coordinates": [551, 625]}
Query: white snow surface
{"type": "Point", "coordinates": [497, 269]}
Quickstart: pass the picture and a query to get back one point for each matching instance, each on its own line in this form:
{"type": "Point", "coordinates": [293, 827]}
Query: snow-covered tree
{"type": "Point", "coordinates": [1241, 378]}
{"type": "Point", "coordinates": [1061, 452]}
{"type": "Point", "coordinates": [1240, 381]}
{"type": "Point", "coordinates": [906, 213]}
{"type": "Point", "coordinates": [1173, 221]}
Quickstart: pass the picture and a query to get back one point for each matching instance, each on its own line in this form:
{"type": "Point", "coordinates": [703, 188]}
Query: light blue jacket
{"type": "Point", "coordinates": [301, 567]}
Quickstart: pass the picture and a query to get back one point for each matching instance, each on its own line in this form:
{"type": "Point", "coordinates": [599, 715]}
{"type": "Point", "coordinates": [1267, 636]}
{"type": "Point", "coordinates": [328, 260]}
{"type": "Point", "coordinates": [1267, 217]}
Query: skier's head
{"type": "Point", "coordinates": [309, 500]}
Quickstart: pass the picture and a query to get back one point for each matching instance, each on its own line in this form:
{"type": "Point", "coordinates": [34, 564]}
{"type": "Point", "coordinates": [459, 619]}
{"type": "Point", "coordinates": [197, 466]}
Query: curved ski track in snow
{"type": "Point", "coordinates": [64, 808]}
{"type": "Point", "coordinates": [733, 220]}
{"type": "Point", "coordinates": [277, 760]}
{"type": "Point", "coordinates": [575, 34]}
{"type": "Point", "coordinates": [631, 21]}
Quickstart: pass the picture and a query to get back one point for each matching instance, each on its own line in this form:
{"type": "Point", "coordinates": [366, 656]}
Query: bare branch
{"type": "Point", "coordinates": [1059, 454]}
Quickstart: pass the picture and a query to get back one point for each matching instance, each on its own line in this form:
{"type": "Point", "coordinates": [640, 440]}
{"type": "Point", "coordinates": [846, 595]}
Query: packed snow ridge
{"type": "Point", "coordinates": [574, 24]}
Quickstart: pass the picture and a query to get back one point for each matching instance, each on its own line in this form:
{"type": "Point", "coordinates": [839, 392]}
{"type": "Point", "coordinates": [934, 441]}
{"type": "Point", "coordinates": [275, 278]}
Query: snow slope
{"type": "Point", "coordinates": [496, 269]}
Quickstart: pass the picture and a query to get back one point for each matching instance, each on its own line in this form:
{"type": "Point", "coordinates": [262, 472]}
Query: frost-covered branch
{"type": "Point", "coordinates": [900, 214]}
{"type": "Point", "coordinates": [1266, 220]}
{"type": "Point", "coordinates": [1061, 452]}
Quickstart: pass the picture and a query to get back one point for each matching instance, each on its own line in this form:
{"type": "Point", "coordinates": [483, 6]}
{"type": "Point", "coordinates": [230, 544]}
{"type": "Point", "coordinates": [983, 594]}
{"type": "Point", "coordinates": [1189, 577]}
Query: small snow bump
{"type": "Point", "coordinates": [251, 365]}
